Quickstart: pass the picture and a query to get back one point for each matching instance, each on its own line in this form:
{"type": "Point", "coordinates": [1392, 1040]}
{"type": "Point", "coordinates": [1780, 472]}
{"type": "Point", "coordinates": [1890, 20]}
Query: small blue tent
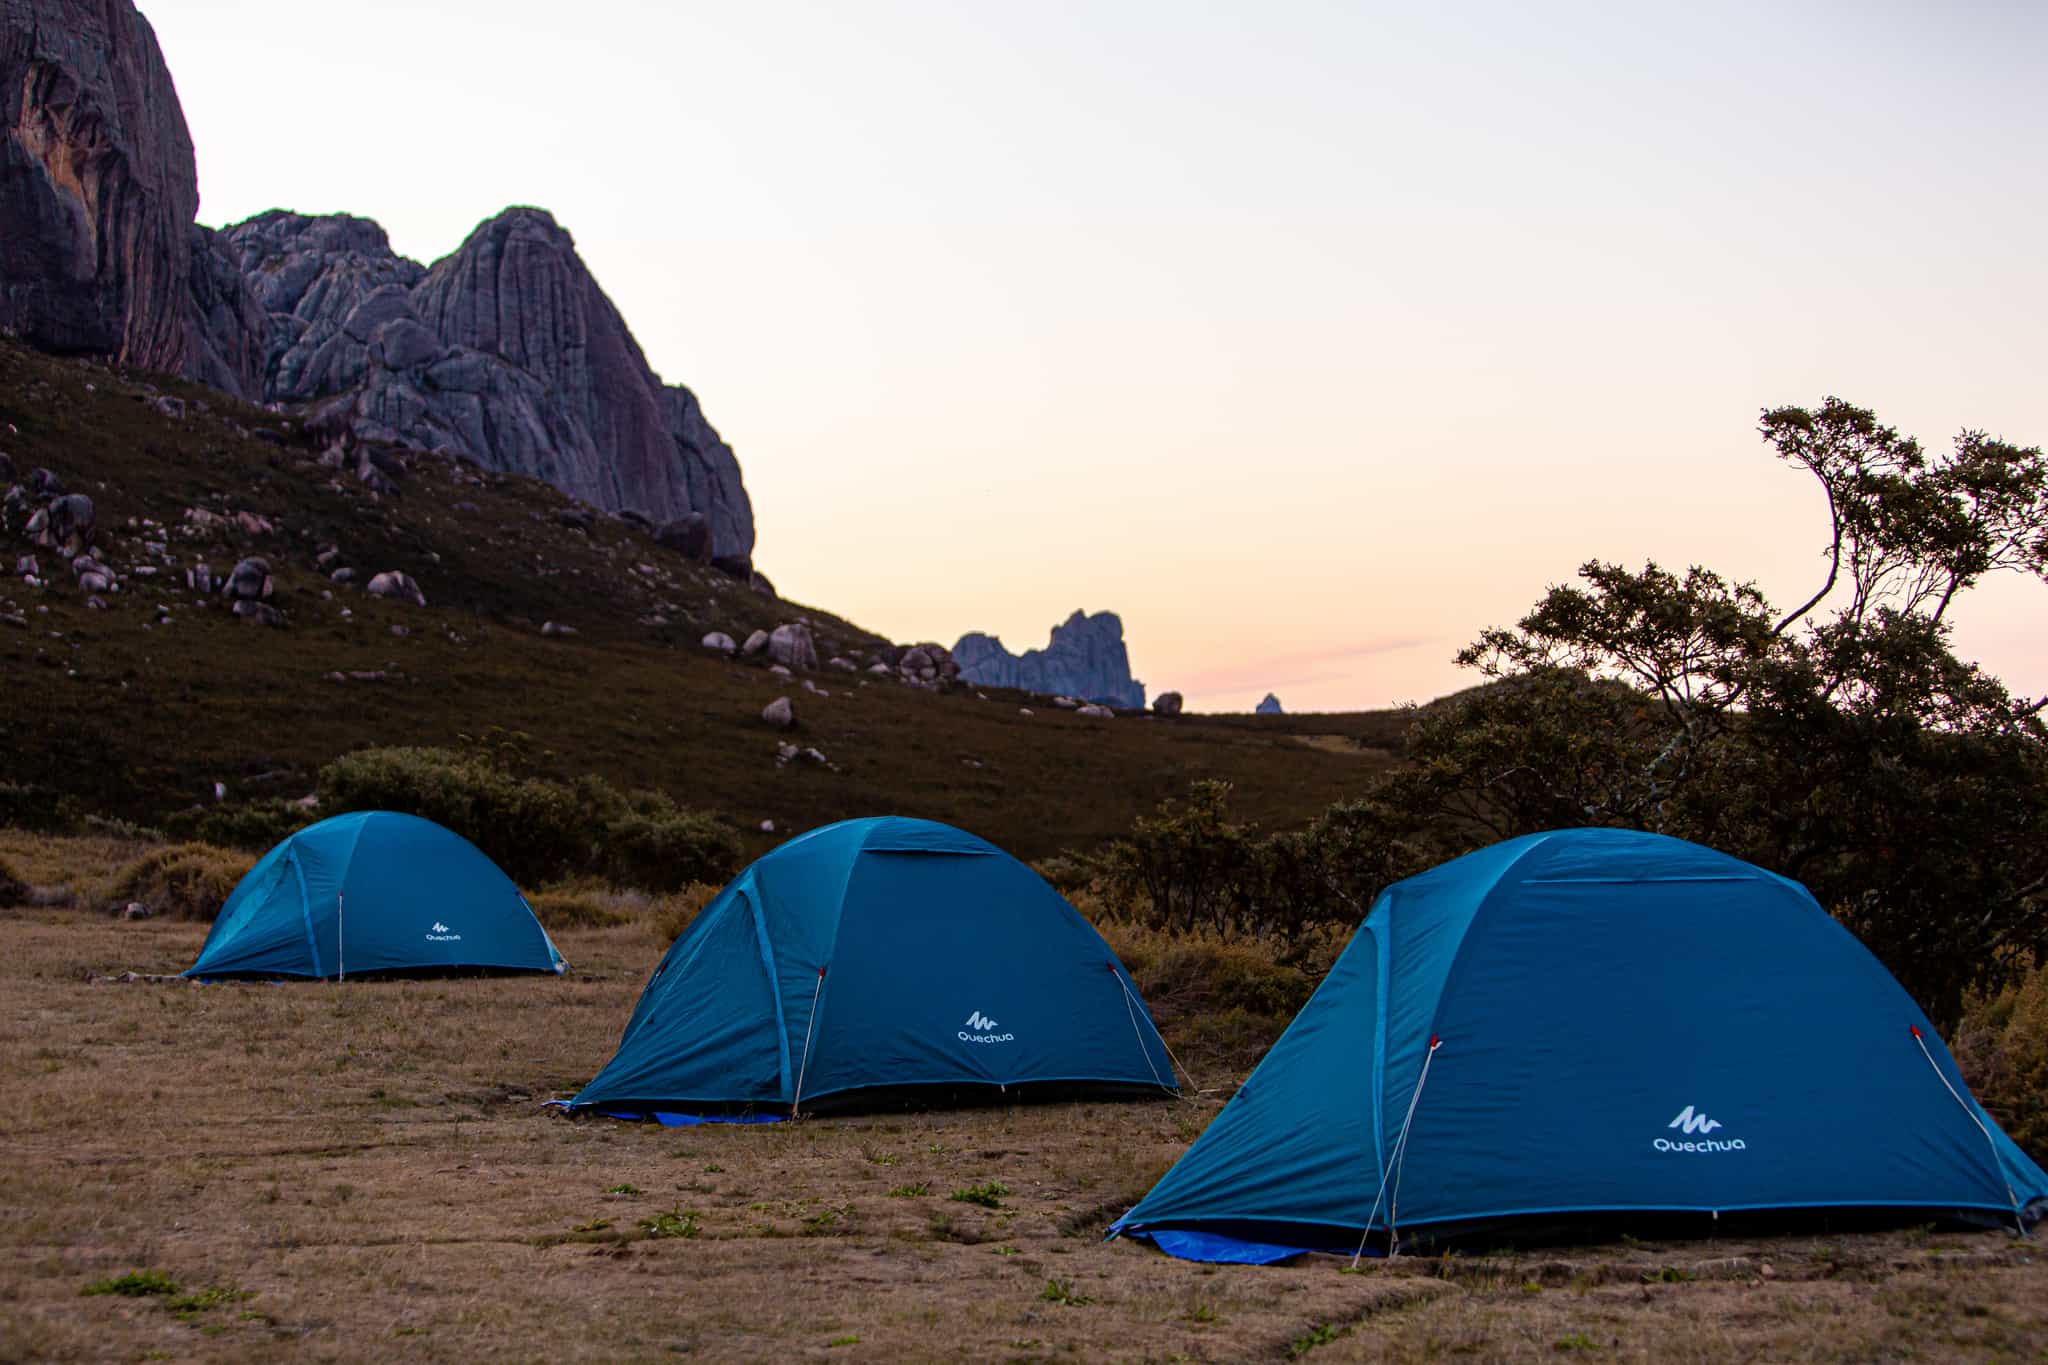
{"type": "Point", "coordinates": [1579, 1026]}
{"type": "Point", "coordinates": [873, 956]}
{"type": "Point", "coordinates": [374, 891]}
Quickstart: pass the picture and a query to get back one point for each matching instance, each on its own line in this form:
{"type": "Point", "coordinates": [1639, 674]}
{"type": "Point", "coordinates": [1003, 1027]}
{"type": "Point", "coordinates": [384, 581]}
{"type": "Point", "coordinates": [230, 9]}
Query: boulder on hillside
{"type": "Point", "coordinates": [398, 586]}
{"type": "Point", "coordinates": [756, 642]}
{"type": "Point", "coordinates": [68, 525]}
{"type": "Point", "coordinates": [792, 646]}
{"type": "Point", "coordinates": [1167, 704]}
{"type": "Point", "coordinates": [1098, 712]}
{"type": "Point", "coordinates": [1269, 707]}
{"type": "Point", "coordinates": [719, 641]}
{"type": "Point", "coordinates": [254, 613]}
{"type": "Point", "coordinates": [780, 713]}
{"type": "Point", "coordinates": [249, 582]}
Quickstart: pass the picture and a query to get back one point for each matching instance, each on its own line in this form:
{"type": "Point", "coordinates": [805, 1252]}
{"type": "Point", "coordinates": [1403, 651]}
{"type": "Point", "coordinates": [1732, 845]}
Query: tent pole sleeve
{"type": "Point", "coordinates": [1997, 1166]}
{"type": "Point", "coordinates": [1400, 1154]}
{"type": "Point", "coordinates": [809, 1024]}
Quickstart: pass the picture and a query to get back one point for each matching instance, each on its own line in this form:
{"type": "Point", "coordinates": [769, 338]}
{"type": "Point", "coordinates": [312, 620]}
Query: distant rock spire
{"type": "Point", "coordinates": [1086, 658]}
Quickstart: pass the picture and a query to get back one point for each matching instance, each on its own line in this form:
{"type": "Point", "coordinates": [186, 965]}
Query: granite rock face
{"type": "Point", "coordinates": [505, 352]}
{"type": "Point", "coordinates": [99, 252]}
{"type": "Point", "coordinates": [1085, 658]}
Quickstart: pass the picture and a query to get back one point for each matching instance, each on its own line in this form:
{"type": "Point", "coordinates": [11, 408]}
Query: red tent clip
{"type": "Point", "coordinates": [1913, 1029]}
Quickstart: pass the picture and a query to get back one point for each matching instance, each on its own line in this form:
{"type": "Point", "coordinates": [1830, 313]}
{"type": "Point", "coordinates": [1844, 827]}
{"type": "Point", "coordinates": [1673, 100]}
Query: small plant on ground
{"type": "Point", "coordinates": [917, 1191]}
{"type": "Point", "coordinates": [594, 1225]}
{"type": "Point", "coordinates": [1575, 1341]}
{"type": "Point", "coordinates": [188, 1307]}
{"type": "Point", "coordinates": [1062, 1292]}
{"type": "Point", "coordinates": [849, 1339]}
{"type": "Point", "coordinates": [988, 1195]}
{"type": "Point", "coordinates": [674, 1223]}
{"type": "Point", "coordinates": [136, 1284]}
{"type": "Point", "coordinates": [623, 1188]}
{"type": "Point", "coordinates": [1322, 1334]}
{"type": "Point", "coordinates": [1204, 1313]}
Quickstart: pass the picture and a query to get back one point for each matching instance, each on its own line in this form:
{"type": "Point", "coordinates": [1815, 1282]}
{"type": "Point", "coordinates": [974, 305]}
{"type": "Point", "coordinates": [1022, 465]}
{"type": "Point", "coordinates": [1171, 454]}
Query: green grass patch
{"type": "Point", "coordinates": [988, 1195]}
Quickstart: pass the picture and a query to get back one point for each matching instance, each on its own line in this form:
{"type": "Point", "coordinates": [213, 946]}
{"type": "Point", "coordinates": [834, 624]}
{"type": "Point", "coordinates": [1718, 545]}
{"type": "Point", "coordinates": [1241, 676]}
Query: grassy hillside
{"type": "Point", "coordinates": [134, 715]}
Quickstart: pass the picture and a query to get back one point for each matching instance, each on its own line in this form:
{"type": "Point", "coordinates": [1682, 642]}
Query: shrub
{"type": "Point", "coordinates": [584, 905]}
{"type": "Point", "coordinates": [659, 845]}
{"type": "Point", "coordinates": [254, 825]}
{"type": "Point", "coordinates": [673, 914]}
{"type": "Point", "coordinates": [536, 829]}
{"type": "Point", "coordinates": [2002, 1048]}
{"type": "Point", "coordinates": [13, 889]}
{"type": "Point", "coordinates": [184, 881]}
{"type": "Point", "coordinates": [25, 806]}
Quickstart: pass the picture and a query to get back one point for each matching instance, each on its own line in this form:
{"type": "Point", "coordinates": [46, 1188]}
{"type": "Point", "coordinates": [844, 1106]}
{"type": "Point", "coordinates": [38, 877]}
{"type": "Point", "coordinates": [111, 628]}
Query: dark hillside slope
{"type": "Point", "coordinates": [131, 716]}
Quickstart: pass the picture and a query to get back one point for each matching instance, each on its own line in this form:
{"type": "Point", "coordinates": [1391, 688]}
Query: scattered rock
{"type": "Point", "coordinates": [756, 642]}
{"type": "Point", "coordinates": [27, 567]}
{"type": "Point", "coordinates": [1269, 707]}
{"type": "Point", "coordinates": [576, 518]}
{"type": "Point", "coordinates": [1098, 712]}
{"type": "Point", "coordinates": [767, 826]}
{"type": "Point", "coordinates": [1026, 711]}
{"type": "Point", "coordinates": [397, 586]}
{"type": "Point", "coordinates": [779, 713]}
{"type": "Point", "coordinates": [136, 910]}
{"type": "Point", "coordinates": [401, 631]}
{"type": "Point", "coordinates": [67, 525]}
{"type": "Point", "coordinates": [719, 641]}
{"type": "Point", "coordinates": [842, 663]}
{"type": "Point", "coordinates": [44, 484]}
{"type": "Point", "coordinates": [814, 689]}
{"type": "Point", "coordinates": [556, 628]}
{"type": "Point", "coordinates": [792, 645]}
{"type": "Point", "coordinates": [1065, 703]}
{"type": "Point", "coordinates": [1167, 704]}
{"type": "Point", "coordinates": [781, 670]}
{"type": "Point", "coordinates": [344, 574]}
{"type": "Point", "coordinates": [249, 582]}
{"type": "Point", "coordinates": [258, 613]}
{"type": "Point", "coordinates": [881, 668]}
{"type": "Point", "coordinates": [169, 406]}
{"type": "Point", "coordinates": [200, 579]}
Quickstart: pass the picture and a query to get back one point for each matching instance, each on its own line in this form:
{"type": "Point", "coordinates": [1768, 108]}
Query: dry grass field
{"type": "Point", "coordinates": [367, 1172]}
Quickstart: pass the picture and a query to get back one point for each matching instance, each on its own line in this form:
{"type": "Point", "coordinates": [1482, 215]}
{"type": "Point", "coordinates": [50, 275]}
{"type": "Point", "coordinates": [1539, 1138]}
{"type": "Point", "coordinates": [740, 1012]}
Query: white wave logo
{"type": "Point", "coordinates": [1691, 1121]}
{"type": "Point", "coordinates": [441, 933]}
{"type": "Point", "coordinates": [984, 1030]}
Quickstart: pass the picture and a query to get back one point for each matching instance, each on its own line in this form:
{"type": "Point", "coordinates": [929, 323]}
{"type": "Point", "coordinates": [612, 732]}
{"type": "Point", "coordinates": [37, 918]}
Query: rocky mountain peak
{"type": "Point", "coordinates": [1084, 658]}
{"type": "Point", "coordinates": [506, 352]}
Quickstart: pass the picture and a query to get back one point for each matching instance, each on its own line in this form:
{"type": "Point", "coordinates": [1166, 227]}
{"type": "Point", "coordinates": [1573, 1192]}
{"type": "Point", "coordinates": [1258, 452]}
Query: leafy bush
{"type": "Point", "coordinates": [254, 825]}
{"type": "Point", "coordinates": [584, 905]}
{"type": "Point", "coordinates": [673, 914]}
{"type": "Point", "coordinates": [659, 845]}
{"type": "Point", "coordinates": [183, 881]}
{"type": "Point", "coordinates": [26, 806]}
{"type": "Point", "coordinates": [2002, 1047]}
{"type": "Point", "coordinates": [13, 888]}
{"type": "Point", "coordinates": [537, 829]}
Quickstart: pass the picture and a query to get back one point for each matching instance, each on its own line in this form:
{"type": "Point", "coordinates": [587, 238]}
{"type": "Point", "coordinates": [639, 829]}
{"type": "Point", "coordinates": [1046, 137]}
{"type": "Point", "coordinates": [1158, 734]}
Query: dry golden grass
{"type": "Point", "coordinates": [371, 1165]}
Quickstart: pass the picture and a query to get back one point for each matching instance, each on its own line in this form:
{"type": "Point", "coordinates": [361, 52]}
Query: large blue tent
{"type": "Point", "coordinates": [374, 892]}
{"type": "Point", "coordinates": [876, 956]}
{"type": "Point", "coordinates": [1583, 1026]}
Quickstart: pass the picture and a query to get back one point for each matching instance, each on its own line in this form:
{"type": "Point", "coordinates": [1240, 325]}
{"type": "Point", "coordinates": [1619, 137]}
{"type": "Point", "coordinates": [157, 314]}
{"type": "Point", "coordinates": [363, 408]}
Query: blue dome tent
{"type": "Point", "coordinates": [873, 958]}
{"type": "Point", "coordinates": [1580, 1027]}
{"type": "Point", "coordinates": [374, 892]}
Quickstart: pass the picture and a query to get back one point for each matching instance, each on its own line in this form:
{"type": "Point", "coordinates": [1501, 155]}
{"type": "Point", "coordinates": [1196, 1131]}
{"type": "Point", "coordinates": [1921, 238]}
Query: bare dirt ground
{"type": "Point", "coordinates": [366, 1172]}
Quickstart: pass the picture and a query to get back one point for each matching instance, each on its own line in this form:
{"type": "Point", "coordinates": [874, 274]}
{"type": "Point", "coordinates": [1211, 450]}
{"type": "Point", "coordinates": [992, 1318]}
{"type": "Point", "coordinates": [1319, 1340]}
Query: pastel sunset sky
{"type": "Point", "coordinates": [1311, 338]}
